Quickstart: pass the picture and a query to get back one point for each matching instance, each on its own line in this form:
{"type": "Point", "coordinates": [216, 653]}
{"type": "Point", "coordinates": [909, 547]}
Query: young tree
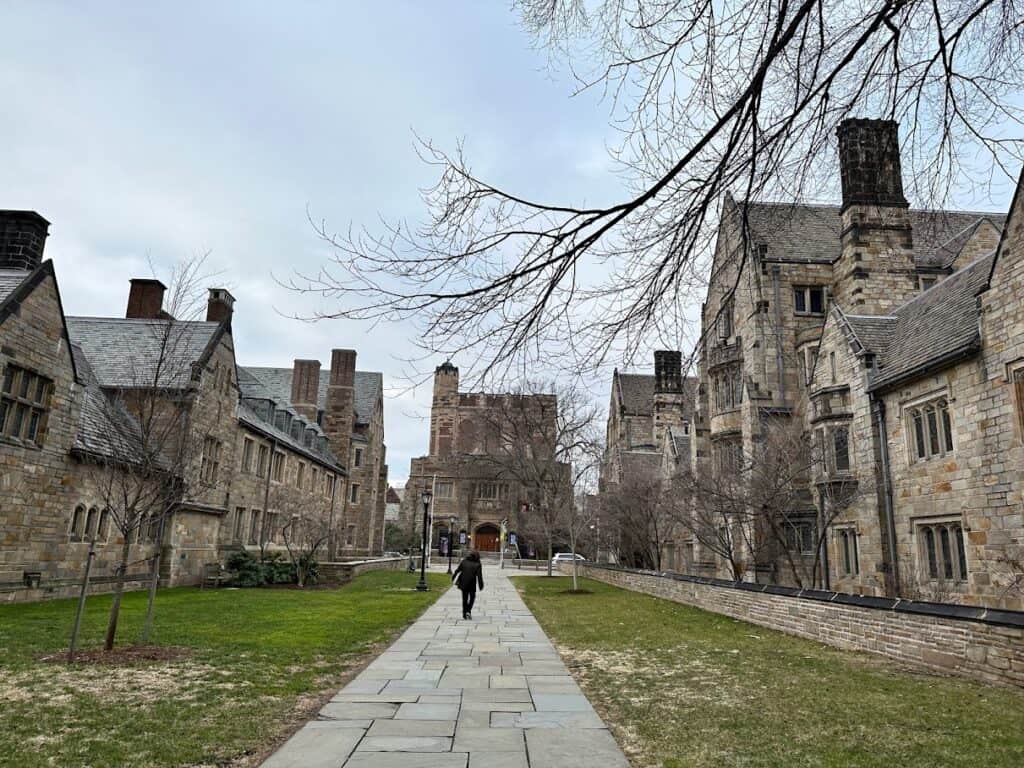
{"type": "Point", "coordinates": [138, 441]}
{"type": "Point", "coordinates": [543, 436]}
{"type": "Point", "coordinates": [709, 98]}
{"type": "Point", "coordinates": [634, 507]}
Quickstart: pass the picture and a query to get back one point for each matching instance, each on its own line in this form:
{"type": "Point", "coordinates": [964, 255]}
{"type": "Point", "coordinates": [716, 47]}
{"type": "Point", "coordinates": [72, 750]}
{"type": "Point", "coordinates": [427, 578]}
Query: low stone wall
{"type": "Point", "coordinates": [973, 642]}
{"type": "Point", "coordinates": [336, 574]}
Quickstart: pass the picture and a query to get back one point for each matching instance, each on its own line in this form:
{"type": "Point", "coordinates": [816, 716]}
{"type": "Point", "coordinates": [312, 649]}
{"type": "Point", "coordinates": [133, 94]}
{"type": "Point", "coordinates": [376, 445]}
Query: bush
{"type": "Point", "coordinates": [249, 571]}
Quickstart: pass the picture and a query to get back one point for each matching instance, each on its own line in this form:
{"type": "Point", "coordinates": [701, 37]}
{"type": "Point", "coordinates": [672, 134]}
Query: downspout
{"type": "Point", "coordinates": [824, 542]}
{"type": "Point", "coordinates": [778, 335]}
{"type": "Point", "coordinates": [331, 543]}
{"type": "Point", "coordinates": [878, 406]}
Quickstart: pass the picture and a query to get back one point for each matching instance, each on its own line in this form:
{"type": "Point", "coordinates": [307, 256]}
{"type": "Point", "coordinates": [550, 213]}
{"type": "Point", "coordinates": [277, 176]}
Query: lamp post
{"type": "Point", "coordinates": [426, 496]}
{"type": "Point", "coordinates": [451, 543]}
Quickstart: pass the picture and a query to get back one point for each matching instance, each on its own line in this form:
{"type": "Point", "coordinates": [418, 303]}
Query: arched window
{"type": "Point", "coordinates": [77, 523]}
{"type": "Point", "coordinates": [91, 521]}
{"type": "Point", "coordinates": [930, 429]}
{"type": "Point", "coordinates": [103, 531]}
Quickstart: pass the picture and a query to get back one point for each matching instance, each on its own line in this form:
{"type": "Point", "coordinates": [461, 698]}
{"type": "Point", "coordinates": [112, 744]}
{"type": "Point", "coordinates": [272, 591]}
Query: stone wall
{"type": "Point", "coordinates": [337, 574]}
{"type": "Point", "coordinates": [986, 645]}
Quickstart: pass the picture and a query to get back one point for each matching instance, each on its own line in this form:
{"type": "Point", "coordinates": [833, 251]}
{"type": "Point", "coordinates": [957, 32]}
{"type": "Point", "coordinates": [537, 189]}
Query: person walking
{"type": "Point", "coordinates": [467, 576]}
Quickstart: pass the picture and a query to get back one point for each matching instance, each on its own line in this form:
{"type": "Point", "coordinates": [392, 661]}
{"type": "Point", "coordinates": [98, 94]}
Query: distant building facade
{"type": "Point", "coordinates": [66, 387]}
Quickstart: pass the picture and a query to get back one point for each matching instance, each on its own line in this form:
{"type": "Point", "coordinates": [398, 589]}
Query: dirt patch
{"type": "Point", "coordinates": [125, 656]}
{"type": "Point", "coordinates": [575, 592]}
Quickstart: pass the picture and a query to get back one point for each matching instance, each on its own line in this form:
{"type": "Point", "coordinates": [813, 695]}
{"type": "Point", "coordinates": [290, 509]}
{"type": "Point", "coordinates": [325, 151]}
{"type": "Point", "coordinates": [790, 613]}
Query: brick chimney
{"type": "Point", "coordinates": [220, 306]}
{"type": "Point", "coordinates": [869, 163]}
{"type": "Point", "coordinates": [669, 403]}
{"type": "Point", "coordinates": [340, 406]}
{"type": "Point", "coordinates": [305, 388]}
{"type": "Point", "coordinates": [145, 299]}
{"type": "Point", "coordinates": [875, 272]}
{"type": "Point", "coordinates": [22, 239]}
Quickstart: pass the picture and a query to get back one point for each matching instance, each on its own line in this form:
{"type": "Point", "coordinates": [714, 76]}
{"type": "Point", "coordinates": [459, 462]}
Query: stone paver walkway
{"type": "Point", "coordinates": [487, 693]}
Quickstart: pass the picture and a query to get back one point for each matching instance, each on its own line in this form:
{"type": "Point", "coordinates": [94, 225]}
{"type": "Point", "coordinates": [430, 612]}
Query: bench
{"type": "Point", "coordinates": [213, 575]}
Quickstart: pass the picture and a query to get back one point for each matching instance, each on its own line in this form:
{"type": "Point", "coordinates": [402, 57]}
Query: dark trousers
{"type": "Point", "coordinates": [468, 598]}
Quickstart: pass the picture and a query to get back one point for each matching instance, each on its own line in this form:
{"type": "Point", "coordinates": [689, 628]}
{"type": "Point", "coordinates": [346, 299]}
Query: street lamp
{"type": "Point", "coordinates": [425, 497]}
{"type": "Point", "coordinates": [451, 542]}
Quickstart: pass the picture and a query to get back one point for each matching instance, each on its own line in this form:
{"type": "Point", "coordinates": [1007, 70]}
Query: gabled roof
{"type": "Point", "coordinates": [16, 285]}
{"type": "Point", "coordinates": [132, 352]}
{"type": "Point", "coordinates": [10, 279]}
{"type": "Point", "coordinates": [636, 393]}
{"type": "Point", "coordinates": [369, 386]}
{"type": "Point", "coordinates": [680, 443]}
{"type": "Point", "coordinates": [872, 332]}
{"type": "Point", "coordinates": [938, 326]}
{"type": "Point", "coordinates": [810, 233]}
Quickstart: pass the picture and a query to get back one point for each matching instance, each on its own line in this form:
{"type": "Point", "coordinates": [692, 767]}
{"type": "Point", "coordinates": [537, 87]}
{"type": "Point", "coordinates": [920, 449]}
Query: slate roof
{"type": "Point", "coordinates": [872, 332]}
{"type": "Point", "coordinates": [10, 279]}
{"type": "Point", "coordinates": [636, 393]}
{"type": "Point", "coordinates": [810, 233]}
{"type": "Point", "coordinates": [249, 417]}
{"type": "Point", "coordinates": [278, 381]}
{"type": "Point", "coordinates": [127, 352]}
{"type": "Point", "coordinates": [680, 444]}
{"type": "Point", "coordinates": [105, 426]}
{"type": "Point", "coordinates": [939, 325]}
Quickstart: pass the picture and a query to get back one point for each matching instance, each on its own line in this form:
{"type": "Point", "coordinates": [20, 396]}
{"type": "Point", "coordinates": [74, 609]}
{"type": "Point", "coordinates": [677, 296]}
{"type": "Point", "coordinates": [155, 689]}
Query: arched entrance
{"type": "Point", "coordinates": [485, 537]}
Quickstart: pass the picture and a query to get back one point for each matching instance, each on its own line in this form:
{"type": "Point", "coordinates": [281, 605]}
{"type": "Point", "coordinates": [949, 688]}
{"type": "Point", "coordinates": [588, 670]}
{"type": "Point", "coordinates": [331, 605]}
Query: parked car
{"type": "Point", "coordinates": [566, 557]}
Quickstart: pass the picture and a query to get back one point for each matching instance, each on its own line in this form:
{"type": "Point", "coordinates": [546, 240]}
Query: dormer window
{"type": "Point", "coordinates": [809, 299]}
{"type": "Point", "coordinates": [927, 281]}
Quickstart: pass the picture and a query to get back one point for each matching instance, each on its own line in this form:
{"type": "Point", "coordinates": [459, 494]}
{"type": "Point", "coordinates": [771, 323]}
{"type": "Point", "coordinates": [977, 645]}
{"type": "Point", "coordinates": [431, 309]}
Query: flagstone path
{"type": "Point", "coordinates": [491, 692]}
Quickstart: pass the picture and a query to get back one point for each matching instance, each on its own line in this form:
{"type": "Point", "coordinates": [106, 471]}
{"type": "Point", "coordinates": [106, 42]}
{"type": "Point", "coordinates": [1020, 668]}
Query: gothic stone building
{"type": "Point", "coordinates": [896, 337]}
{"type": "Point", "coordinates": [66, 429]}
{"type": "Point", "coordinates": [466, 469]}
{"type": "Point", "coordinates": [650, 420]}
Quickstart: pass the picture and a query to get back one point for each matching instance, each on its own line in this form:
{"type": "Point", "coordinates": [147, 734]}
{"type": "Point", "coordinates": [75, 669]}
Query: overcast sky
{"type": "Point", "coordinates": [159, 131]}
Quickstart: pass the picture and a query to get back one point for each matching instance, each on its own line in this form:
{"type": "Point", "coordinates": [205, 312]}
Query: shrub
{"type": "Point", "coordinates": [249, 571]}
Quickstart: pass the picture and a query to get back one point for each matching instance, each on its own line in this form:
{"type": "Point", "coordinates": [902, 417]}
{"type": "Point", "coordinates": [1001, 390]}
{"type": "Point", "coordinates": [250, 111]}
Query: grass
{"type": "Point", "coordinates": [684, 687]}
{"type": "Point", "coordinates": [259, 658]}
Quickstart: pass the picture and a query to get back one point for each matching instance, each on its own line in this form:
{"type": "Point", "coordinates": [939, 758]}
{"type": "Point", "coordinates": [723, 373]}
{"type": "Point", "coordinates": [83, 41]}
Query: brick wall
{"type": "Point", "coordinates": [971, 642]}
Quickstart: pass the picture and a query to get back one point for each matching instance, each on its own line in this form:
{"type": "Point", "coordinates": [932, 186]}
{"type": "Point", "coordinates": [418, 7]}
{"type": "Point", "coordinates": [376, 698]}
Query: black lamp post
{"type": "Point", "coordinates": [451, 542]}
{"type": "Point", "coordinates": [426, 496]}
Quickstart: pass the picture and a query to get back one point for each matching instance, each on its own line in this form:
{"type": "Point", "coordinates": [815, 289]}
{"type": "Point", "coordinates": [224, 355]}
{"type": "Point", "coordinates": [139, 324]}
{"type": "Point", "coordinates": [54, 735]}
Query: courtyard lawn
{"type": "Point", "coordinates": [684, 687]}
{"type": "Point", "coordinates": [256, 663]}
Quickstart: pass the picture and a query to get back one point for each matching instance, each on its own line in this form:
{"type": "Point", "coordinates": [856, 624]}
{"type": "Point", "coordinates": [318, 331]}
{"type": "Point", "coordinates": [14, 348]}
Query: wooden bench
{"type": "Point", "coordinates": [214, 575]}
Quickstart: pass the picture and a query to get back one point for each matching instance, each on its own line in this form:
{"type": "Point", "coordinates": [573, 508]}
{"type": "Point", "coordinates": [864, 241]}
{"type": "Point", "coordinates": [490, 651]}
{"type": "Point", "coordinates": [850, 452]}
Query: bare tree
{"type": "Point", "coordinates": [633, 506]}
{"type": "Point", "coordinates": [709, 98]}
{"type": "Point", "coordinates": [543, 436]}
{"type": "Point", "coordinates": [757, 508]}
{"type": "Point", "coordinates": [139, 441]}
{"type": "Point", "coordinates": [305, 530]}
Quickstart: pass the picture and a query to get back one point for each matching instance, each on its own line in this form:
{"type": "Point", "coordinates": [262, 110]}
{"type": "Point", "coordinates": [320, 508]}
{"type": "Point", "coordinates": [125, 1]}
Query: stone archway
{"type": "Point", "coordinates": [485, 537]}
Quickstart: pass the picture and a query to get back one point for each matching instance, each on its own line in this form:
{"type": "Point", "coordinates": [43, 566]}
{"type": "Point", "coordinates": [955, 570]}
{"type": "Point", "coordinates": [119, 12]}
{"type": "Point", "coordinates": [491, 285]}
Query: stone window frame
{"type": "Point", "coordinates": [847, 550]}
{"type": "Point", "coordinates": [328, 484]}
{"type": "Point", "coordinates": [357, 457]}
{"type": "Point", "coordinates": [277, 467]}
{"type": "Point", "coordinates": [826, 438]}
{"type": "Point", "coordinates": [76, 528]}
{"type": "Point", "coordinates": [314, 476]}
{"type": "Point", "coordinates": [238, 525]}
{"type": "Point", "coordinates": [1015, 378]}
{"type": "Point", "coordinates": [932, 441]}
{"type": "Point", "coordinates": [799, 531]}
{"type": "Point", "coordinates": [940, 548]}
{"type": "Point", "coordinates": [728, 388]}
{"type": "Point", "coordinates": [500, 490]}
{"type": "Point", "coordinates": [248, 448]}
{"type": "Point", "coordinates": [805, 293]}
{"type": "Point", "coordinates": [444, 489]}
{"type": "Point", "coordinates": [350, 535]}
{"type": "Point", "coordinates": [255, 529]}
{"type": "Point", "coordinates": [300, 473]}
{"type": "Point", "coordinates": [353, 493]}
{"type": "Point", "coordinates": [209, 464]}
{"type": "Point", "coordinates": [927, 282]}
{"type": "Point", "coordinates": [24, 391]}
{"type": "Point", "coordinates": [262, 460]}
{"type": "Point", "coordinates": [807, 355]}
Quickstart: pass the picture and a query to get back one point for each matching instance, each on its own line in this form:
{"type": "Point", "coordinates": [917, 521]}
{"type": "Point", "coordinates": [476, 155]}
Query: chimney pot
{"type": "Point", "coordinates": [22, 239]}
{"type": "Point", "coordinates": [145, 299]}
{"type": "Point", "coordinates": [869, 163]}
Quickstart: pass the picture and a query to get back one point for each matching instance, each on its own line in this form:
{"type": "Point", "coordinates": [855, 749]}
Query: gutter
{"type": "Point", "coordinates": [956, 355]}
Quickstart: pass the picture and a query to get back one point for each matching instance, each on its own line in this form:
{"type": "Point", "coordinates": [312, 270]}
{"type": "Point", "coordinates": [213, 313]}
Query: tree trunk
{"type": "Point", "coordinates": [81, 601]}
{"type": "Point", "coordinates": [115, 606]}
{"type": "Point", "coordinates": [550, 553]}
{"type": "Point", "coordinates": [154, 580]}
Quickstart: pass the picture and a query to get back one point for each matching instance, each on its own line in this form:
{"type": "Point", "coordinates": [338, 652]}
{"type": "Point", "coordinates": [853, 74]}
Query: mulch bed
{"type": "Point", "coordinates": [121, 656]}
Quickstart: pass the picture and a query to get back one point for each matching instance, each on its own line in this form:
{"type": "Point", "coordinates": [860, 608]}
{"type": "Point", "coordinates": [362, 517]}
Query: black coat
{"type": "Point", "coordinates": [468, 575]}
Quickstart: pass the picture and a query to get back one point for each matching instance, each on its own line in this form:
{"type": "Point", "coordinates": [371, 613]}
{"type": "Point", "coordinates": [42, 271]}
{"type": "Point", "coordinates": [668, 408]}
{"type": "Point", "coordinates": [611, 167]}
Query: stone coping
{"type": "Point", "coordinates": [980, 614]}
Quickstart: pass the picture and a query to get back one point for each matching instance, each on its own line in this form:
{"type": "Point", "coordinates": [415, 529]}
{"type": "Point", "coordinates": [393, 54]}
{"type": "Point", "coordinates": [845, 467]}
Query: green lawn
{"type": "Point", "coordinates": [684, 687]}
{"type": "Point", "coordinates": [260, 658]}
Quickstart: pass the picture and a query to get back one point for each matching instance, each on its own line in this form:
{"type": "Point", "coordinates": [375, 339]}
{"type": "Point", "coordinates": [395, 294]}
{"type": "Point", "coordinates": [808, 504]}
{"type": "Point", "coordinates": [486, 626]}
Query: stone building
{"type": "Point", "coordinates": [470, 468]}
{"type": "Point", "coordinates": [650, 420]}
{"type": "Point", "coordinates": [75, 393]}
{"type": "Point", "coordinates": [893, 336]}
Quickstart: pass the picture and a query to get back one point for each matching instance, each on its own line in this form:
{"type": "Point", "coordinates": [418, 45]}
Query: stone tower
{"type": "Point", "coordinates": [444, 409]}
{"type": "Point", "coordinates": [339, 410]}
{"type": "Point", "coordinates": [875, 272]}
{"type": "Point", "coordinates": [669, 406]}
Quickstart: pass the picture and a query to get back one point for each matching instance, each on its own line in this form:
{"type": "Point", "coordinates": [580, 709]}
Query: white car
{"type": "Point", "coordinates": [566, 557]}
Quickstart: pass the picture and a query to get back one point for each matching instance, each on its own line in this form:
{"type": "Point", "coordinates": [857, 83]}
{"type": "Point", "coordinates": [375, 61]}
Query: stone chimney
{"type": "Point", "coordinates": [444, 409]}
{"type": "Point", "coordinates": [145, 299]}
{"type": "Point", "coordinates": [339, 410]}
{"type": "Point", "coordinates": [22, 239]}
{"type": "Point", "coordinates": [306, 388]}
{"type": "Point", "coordinates": [220, 306]}
{"type": "Point", "coordinates": [875, 271]}
{"type": "Point", "coordinates": [869, 163]}
{"type": "Point", "coordinates": [669, 403]}
{"type": "Point", "coordinates": [668, 371]}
